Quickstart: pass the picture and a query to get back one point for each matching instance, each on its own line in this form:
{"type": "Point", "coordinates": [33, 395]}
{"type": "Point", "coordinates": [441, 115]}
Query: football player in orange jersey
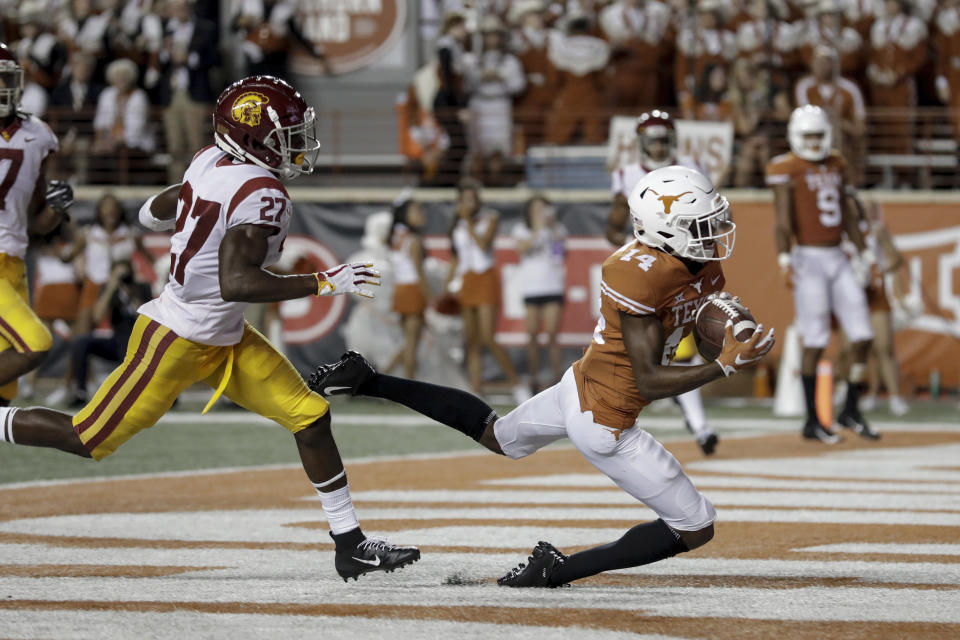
{"type": "Point", "coordinates": [657, 144]}
{"type": "Point", "coordinates": [650, 291]}
{"type": "Point", "coordinates": [813, 211]}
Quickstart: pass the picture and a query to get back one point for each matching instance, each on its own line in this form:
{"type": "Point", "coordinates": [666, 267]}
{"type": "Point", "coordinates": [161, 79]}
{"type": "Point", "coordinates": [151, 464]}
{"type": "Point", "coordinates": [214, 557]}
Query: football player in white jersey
{"type": "Point", "coordinates": [230, 216]}
{"type": "Point", "coordinates": [26, 145]}
{"type": "Point", "coordinates": [657, 138]}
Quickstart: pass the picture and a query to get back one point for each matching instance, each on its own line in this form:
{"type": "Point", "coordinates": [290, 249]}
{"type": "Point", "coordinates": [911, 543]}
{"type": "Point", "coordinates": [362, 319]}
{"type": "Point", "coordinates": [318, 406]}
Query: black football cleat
{"type": "Point", "coordinates": [544, 562]}
{"type": "Point", "coordinates": [343, 377]}
{"type": "Point", "coordinates": [373, 554]}
{"type": "Point", "coordinates": [813, 430]}
{"type": "Point", "coordinates": [708, 442]}
{"type": "Point", "coordinates": [856, 422]}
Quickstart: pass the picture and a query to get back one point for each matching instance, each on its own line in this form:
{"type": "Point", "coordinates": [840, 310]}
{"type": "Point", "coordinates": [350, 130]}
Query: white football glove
{"type": "Point", "coordinates": [348, 278]}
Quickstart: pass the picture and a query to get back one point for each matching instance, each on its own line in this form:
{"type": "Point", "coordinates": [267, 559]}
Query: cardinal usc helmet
{"type": "Point", "coordinates": [264, 120]}
{"type": "Point", "coordinates": [656, 125]}
{"type": "Point", "coordinates": [11, 81]}
{"type": "Point", "coordinates": [809, 133]}
{"type": "Point", "coordinates": [678, 210]}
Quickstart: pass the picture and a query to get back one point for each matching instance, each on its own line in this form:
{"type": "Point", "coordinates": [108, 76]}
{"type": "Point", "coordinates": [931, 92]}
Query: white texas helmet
{"type": "Point", "coordinates": [678, 209]}
{"type": "Point", "coordinates": [806, 121]}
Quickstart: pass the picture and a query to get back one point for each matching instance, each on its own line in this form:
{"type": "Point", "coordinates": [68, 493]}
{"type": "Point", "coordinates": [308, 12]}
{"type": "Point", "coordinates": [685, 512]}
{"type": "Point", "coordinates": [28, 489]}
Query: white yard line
{"type": "Point", "coordinates": [854, 604]}
{"type": "Point", "coordinates": [177, 625]}
{"type": "Point", "coordinates": [925, 549]}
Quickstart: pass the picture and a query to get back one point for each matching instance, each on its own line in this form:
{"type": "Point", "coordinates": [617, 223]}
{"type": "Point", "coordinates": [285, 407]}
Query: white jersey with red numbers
{"type": "Point", "coordinates": [217, 194]}
{"type": "Point", "coordinates": [24, 145]}
{"type": "Point", "coordinates": [623, 180]}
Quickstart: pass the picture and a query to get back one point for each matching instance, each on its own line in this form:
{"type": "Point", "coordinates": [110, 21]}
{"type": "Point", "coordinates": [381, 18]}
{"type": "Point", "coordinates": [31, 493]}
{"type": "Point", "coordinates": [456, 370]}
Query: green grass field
{"type": "Point", "coordinates": [235, 438]}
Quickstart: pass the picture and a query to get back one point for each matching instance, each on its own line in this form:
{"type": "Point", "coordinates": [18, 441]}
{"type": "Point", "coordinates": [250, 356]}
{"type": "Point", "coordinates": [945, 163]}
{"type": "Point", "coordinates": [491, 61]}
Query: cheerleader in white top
{"type": "Point", "coordinates": [540, 242]}
{"type": "Point", "coordinates": [472, 238]}
{"type": "Point", "coordinates": [105, 242]}
{"type": "Point", "coordinates": [412, 292]}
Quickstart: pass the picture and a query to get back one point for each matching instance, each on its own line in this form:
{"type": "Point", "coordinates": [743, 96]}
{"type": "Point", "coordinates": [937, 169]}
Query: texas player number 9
{"type": "Point", "coordinates": [828, 202]}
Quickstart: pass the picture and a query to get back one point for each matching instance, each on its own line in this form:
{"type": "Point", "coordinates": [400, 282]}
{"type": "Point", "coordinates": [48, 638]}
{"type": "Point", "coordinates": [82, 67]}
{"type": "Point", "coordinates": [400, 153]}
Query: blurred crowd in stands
{"type": "Point", "coordinates": [509, 74]}
{"type": "Point", "coordinates": [135, 79]}
{"type": "Point", "coordinates": [106, 73]}
{"type": "Point", "coordinates": [115, 77]}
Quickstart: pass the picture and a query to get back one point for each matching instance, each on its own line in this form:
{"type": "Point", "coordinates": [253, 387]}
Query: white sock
{"type": "Point", "coordinates": [338, 506]}
{"type": "Point", "coordinates": [692, 407]}
{"type": "Point", "coordinates": [6, 423]}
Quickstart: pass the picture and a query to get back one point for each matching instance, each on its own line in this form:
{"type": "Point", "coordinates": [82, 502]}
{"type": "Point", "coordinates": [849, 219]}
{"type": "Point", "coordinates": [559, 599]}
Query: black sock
{"type": "Point", "coordinates": [810, 394]}
{"type": "Point", "coordinates": [852, 404]}
{"type": "Point", "coordinates": [643, 544]}
{"type": "Point", "coordinates": [457, 409]}
{"type": "Point", "coordinates": [348, 540]}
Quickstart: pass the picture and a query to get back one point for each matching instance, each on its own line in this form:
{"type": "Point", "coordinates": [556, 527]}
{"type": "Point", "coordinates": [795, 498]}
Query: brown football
{"type": "Point", "coordinates": [711, 321]}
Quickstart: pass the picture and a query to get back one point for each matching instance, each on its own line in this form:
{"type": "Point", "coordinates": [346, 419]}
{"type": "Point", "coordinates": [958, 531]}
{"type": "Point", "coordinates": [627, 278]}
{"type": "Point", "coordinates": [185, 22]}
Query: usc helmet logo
{"type": "Point", "coordinates": [248, 108]}
{"type": "Point", "coordinates": [669, 200]}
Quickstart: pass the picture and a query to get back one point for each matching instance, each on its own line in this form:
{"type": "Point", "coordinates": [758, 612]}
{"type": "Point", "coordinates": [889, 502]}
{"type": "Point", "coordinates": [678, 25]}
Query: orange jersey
{"type": "Point", "coordinates": [639, 281]}
{"type": "Point", "coordinates": [818, 189]}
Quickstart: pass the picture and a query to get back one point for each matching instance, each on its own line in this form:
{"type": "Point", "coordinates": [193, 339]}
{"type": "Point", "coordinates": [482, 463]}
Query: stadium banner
{"type": "Point", "coordinates": [353, 34]}
{"type": "Point", "coordinates": [709, 143]}
{"type": "Point", "coordinates": [322, 235]}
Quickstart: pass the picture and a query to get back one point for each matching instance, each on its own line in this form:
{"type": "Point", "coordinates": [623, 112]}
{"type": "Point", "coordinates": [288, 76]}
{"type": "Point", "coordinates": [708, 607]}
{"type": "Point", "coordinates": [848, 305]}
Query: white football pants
{"type": "Point", "coordinates": [824, 283]}
{"type": "Point", "coordinates": [636, 462]}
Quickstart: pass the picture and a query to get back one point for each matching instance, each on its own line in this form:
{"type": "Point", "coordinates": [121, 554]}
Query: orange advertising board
{"type": "Point", "coordinates": [928, 236]}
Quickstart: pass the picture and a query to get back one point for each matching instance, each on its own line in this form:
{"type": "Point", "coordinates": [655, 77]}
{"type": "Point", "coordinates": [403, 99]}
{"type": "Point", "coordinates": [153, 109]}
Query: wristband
{"type": "Point", "coordinates": [727, 369]}
{"type": "Point", "coordinates": [323, 286]}
{"type": "Point", "coordinates": [783, 259]}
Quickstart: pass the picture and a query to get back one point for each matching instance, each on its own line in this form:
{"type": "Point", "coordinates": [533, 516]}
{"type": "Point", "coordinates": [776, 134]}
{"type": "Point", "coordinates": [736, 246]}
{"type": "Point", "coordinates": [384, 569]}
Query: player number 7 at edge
{"type": "Point", "coordinates": [15, 156]}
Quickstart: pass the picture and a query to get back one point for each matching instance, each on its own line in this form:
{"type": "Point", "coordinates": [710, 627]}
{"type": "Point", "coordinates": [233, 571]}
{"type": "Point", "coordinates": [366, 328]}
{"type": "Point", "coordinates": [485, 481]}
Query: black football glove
{"type": "Point", "coordinates": [59, 195]}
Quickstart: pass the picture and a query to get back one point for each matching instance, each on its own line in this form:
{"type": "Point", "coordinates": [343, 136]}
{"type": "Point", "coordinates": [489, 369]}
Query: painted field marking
{"type": "Point", "coordinates": [931, 463]}
{"type": "Point", "coordinates": [720, 497]}
{"type": "Point", "coordinates": [705, 482]}
{"type": "Point", "coordinates": [436, 565]}
{"type": "Point", "coordinates": [281, 525]}
{"type": "Point", "coordinates": [177, 625]}
{"type": "Point", "coordinates": [924, 549]}
{"type": "Point", "coordinates": [846, 604]}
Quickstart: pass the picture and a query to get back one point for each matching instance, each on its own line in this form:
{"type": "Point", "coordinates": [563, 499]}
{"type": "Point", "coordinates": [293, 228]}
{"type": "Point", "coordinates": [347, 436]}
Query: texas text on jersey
{"type": "Point", "coordinates": [638, 280]}
{"type": "Point", "coordinates": [818, 190]}
{"type": "Point", "coordinates": [217, 193]}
